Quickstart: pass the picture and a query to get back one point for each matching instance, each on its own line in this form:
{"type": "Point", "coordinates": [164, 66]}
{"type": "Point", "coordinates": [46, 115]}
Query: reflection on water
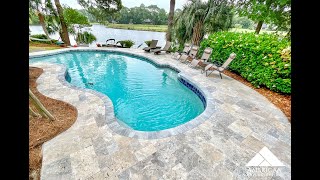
{"type": "Point", "coordinates": [102, 34]}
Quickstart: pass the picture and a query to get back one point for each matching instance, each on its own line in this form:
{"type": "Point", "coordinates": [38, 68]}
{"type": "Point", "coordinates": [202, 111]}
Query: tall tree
{"type": "Point", "coordinates": [277, 12]}
{"type": "Point", "coordinates": [170, 20]}
{"type": "Point", "coordinates": [37, 7]}
{"type": "Point", "coordinates": [199, 17]}
{"type": "Point", "coordinates": [64, 28]}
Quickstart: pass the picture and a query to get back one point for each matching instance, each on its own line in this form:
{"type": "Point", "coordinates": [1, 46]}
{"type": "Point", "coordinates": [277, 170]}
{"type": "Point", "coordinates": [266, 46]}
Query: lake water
{"type": "Point", "coordinates": [103, 33]}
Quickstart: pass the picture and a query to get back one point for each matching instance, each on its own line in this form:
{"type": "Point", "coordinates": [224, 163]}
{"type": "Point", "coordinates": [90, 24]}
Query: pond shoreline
{"type": "Point", "coordinates": [103, 33]}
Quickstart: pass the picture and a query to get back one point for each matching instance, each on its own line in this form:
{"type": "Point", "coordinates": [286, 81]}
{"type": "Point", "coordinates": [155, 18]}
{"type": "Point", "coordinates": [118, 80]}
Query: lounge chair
{"type": "Point", "coordinates": [165, 48]}
{"type": "Point", "coordinates": [203, 61]}
{"type": "Point", "coordinates": [185, 50]}
{"type": "Point", "coordinates": [189, 57]}
{"type": "Point", "coordinates": [220, 69]}
{"type": "Point", "coordinates": [110, 44]}
{"type": "Point", "coordinates": [153, 45]}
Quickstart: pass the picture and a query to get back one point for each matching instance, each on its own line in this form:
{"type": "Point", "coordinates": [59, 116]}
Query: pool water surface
{"type": "Point", "coordinates": [145, 97]}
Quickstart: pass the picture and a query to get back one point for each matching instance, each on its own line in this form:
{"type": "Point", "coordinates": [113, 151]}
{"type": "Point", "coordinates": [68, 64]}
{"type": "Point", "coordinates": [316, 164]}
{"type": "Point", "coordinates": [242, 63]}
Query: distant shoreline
{"type": "Point", "coordinates": [137, 27]}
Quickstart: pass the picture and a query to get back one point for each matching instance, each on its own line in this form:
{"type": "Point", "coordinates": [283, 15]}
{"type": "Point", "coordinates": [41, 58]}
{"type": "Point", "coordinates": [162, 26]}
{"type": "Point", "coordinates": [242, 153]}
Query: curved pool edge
{"type": "Point", "coordinates": [110, 119]}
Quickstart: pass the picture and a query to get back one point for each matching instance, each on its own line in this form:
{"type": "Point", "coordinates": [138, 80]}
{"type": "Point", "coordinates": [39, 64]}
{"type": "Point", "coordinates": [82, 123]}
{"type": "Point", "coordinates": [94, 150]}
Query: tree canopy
{"type": "Point", "coordinates": [141, 15]}
{"type": "Point", "coordinates": [199, 17]}
{"type": "Point", "coordinates": [101, 9]}
{"type": "Point", "coordinates": [277, 12]}
{"type": "Point", "coordinates": [73, 16]}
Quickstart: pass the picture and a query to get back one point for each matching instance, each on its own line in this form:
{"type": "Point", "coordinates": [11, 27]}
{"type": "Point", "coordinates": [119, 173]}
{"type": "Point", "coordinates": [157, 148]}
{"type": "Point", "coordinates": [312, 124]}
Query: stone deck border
{"type": "Point", "coordinates": [242, 123]}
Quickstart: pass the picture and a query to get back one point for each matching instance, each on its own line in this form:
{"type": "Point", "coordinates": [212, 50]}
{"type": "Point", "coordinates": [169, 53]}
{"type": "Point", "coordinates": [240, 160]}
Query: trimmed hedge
{"type": "Point", "coordinates": [264, 59]}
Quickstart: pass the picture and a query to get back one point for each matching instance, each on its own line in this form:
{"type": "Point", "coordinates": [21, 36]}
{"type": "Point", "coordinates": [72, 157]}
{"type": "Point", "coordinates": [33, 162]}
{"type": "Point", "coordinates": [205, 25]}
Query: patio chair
{"type": "Point", "coordinates": [189, 57]}
{"type": "Point", "coordinates": [185, 50]}
{"type": "Point", "coordinates": [203, 61]}
{"type": "Point", "coordinates": [165, 48]}
{"type": "Point", "coordinates": [110, 44]}
{"type": "Point", "coordinates": [220, 69]}
{"type": "Point", "coordinates": [153, 45]}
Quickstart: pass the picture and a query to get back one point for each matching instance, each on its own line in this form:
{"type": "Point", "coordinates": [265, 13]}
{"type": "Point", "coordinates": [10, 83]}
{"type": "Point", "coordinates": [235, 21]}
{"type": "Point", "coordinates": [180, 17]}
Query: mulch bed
{"type": "Point", "coordinates": [42, 129]}
{"type": "Point", "coordinates": [282, 101]}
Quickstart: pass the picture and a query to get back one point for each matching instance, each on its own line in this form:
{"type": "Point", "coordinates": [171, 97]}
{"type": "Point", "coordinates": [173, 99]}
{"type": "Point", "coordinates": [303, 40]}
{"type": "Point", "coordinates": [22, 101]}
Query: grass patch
{"type": "Point", "coordinates": [140, 27]}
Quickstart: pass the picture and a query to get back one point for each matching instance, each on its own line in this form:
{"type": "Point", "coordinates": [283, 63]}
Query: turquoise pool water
{"type": "Point", "coordinates": [145, 97]}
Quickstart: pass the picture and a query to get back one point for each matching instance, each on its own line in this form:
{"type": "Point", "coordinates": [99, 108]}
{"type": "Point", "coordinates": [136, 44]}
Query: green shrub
{"type": "Point", "coordinates": [42, 36]}
{"type": "Point", "coordinates": [148, 43]}
{"type": "Point", "coordinates": [126, 43]}
{"type": "Point", "coordinates": [39, 36]}
{"type": "Point", "coordinates": [264, 59]}
{"type": "Point", "coordinates": [85, 37]}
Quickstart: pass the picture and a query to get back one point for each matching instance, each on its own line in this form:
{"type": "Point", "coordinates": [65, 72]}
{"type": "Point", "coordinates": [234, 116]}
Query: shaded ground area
{"type": "Point", "coordinates": [37, 46]}
{"type": "Point", "coordinates": [282, 101]}
{"type": "Point", "coordinates": [41, 129]}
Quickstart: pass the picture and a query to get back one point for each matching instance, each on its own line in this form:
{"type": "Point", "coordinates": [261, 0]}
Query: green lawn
{"type": "Point", "coordinates": [142, 27]}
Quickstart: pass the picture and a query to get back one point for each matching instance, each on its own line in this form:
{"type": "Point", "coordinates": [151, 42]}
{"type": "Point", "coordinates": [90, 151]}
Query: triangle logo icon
{"type": "Point", "coordinates": [265, 158]}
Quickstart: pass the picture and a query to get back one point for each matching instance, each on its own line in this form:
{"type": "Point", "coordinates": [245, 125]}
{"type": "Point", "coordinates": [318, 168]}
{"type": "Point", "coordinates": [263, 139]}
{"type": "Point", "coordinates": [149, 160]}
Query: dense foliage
{"type": "Point", "coordinates": [264, 60]}
{"type": "Point", "coordinates": [140, 15]}
{"type": "Point", "coordinates": [33, 18]}
{"type": "Point", "coordinates": [126, 43]}
{"type": "Point", "coordinates": [101, 10]}
{"type": "Point", "coordinates": [73, 16]}
{"type": "Point", "coordinates": [85, 37]}
{"type": "Point", "coordinates": [200, 17]}
{"type": "Point", "coordinates": [277, 12]}
{"type": "Point", "coordinates": [39, 36]}
{"type": "Point", "coordinates": [242, 22]}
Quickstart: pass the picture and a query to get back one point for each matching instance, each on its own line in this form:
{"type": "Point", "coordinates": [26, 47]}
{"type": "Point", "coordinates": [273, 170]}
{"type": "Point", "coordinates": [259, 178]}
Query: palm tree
{"type": "Point", "coordinates": [170, 20]}
{"type": "Point", "coordinates": [198, 17]}
{"type": "Point", "coordinates": [36, 6]}
{"type": "Point", "coordinates": [64, 28]}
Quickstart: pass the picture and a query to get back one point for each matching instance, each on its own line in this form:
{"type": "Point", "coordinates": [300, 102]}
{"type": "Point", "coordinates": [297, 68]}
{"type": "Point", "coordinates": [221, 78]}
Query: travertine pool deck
{"type": "Point", "coordinates": [238, 124]}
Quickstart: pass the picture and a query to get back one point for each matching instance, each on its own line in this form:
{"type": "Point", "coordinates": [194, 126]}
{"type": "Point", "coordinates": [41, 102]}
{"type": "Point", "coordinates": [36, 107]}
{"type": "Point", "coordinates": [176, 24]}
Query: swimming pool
{"type": "Point", "coordinates": [145, 97]}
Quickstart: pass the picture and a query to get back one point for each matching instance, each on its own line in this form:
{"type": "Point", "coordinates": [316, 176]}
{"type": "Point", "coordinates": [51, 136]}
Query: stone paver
{"type": "Point", "coordinates": [237, 124]}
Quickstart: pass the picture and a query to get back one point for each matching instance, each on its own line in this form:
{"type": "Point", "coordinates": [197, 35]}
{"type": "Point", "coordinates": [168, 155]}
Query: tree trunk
{"type": "Point", "coordinates": [39, 106]}
{"type": "Point", "coordinates": [258, 28]}
{"type": "Point", "coordinates": [64, 28]}
{"type": "Point", "coordinates": [43, 24]}
{"type": "Point", "coordinates": [197, 33]}
{"type": "Point", "coordinates": [170, 20]}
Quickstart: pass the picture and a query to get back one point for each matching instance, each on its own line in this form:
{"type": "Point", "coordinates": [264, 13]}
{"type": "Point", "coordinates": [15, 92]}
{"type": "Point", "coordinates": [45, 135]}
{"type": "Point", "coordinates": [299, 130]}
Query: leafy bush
{"type": "Point", "coordinates": [264, 59]}
{"type": "Point", "coordinates": [126, 43]}
{"type": "Point", "coordinates": [148, 43]}
{"type": "Point", "coordinates": [42, 36]}
{"type": "Point", "coordinates": [85, 37]}
{"type": "Point", "coordinates": [39, 36]}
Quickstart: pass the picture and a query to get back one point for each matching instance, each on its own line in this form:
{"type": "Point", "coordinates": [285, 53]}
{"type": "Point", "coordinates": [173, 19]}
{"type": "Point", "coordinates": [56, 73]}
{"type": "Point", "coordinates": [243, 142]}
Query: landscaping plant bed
{"type": "Point", "coordinates": [42, 129]}
{"type": "Point", "coordinates": [282, 101]}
